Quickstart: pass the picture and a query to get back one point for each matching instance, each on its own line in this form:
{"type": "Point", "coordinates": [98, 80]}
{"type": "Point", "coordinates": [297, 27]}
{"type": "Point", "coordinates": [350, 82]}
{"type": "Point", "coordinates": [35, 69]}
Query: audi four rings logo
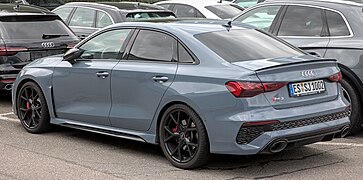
{"type": "Point", "coordinates": [309, 73]}
{"type": "Point", "coordinates": [48, 44]}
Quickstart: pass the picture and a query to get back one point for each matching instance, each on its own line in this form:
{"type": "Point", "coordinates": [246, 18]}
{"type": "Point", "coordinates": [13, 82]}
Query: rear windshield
{"type": "Point", "coordinates": [33, 27]}
{"type": "Point", "coordinates": [245, 45]}
{"type": "Point", "coordinates": [149, 15]}
{"type": "Point", "coordinates": [224, 11]}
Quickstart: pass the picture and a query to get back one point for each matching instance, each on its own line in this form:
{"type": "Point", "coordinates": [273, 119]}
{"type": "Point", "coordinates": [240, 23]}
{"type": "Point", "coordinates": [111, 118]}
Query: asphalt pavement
{"type": "Point", "coordinates": [72, 154]}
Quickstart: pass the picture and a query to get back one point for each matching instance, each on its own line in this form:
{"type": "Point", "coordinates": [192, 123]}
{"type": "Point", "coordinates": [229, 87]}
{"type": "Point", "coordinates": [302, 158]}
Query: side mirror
{"type": "Point", "coordinates": [72, 54]}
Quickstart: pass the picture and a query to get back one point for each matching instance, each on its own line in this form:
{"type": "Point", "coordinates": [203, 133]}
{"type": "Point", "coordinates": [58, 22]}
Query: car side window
{"type": "Point", "coordinates": [166, 6]}
{"type": "Point", "coordinates": [183, 55]}
{"type": "Point", "coordinates": [153, 46]}
{"type": "Point", "coordinates": [106, 45]}
{"type": "Point", "coordinates": [64, 13]}
{"type": "Point", "coordinates": [184, 11]}
{"type": "Point", "coordinates": [261, 17]}
{"type": "Point", "coordinates": [302, 21]}
{"type": "Point", "coordinates": [336, 24]}
{"type": "Point", "coordinates": [102, 20]}
{"type": "Point", "coordinates": [83, 17]}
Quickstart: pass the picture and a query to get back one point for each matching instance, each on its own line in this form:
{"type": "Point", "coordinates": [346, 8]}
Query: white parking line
{"type": "Point", "coordinates": [4, 118]}
{"type": "Point", "coordinates": [340, 144]}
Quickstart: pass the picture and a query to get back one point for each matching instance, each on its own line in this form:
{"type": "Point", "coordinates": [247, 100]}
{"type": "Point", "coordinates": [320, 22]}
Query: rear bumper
{"type": "Point", "coordinates": [6, 81]}
{"type": "Point", "coordinates": [223, 131]}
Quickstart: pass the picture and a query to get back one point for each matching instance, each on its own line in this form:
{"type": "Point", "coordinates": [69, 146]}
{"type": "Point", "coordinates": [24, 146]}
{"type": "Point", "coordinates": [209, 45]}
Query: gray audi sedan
{"type": "Point", "coordinates": [193, 89]}
{"type": "Point", "coordinates": [325, 28]}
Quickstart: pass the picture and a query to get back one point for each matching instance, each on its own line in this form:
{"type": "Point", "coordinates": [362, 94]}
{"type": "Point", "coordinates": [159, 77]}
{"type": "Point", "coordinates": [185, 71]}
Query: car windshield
{"type": "Point", "coordinates": [224, 11]}
{"type": "Point", "coordinates": [149, 15]}
{"type": "Point", "coordinates": [34, 27]}
{"type": "Point", "coordinates": [246, 45]}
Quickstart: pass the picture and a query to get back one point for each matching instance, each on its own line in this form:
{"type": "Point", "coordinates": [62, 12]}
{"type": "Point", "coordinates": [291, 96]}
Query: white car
{"type": "Point", "coordinates": [211, 9]}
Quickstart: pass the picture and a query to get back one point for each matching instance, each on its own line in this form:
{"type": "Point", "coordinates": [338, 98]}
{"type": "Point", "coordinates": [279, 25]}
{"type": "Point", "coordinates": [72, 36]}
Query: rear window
{"type": "Point", "coordinates": [245, 45]}
{"type": "Point", "coordinates": [224, 11]}
{"type": "Point", "coordinates": [149, 15]}
{"type": "Point", "coordinates": [33, 27]}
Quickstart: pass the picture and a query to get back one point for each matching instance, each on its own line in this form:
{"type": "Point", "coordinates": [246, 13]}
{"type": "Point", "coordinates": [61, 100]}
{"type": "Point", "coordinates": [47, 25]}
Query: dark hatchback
{"type": "Point", "coordinates": [29, 33]}
{"type": "Point", "coordinates": [84, 18]}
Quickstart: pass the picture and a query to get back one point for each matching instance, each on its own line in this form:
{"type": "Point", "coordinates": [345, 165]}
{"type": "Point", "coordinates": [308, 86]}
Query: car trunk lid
{"type": "Point", "coordinates": [307, 81]}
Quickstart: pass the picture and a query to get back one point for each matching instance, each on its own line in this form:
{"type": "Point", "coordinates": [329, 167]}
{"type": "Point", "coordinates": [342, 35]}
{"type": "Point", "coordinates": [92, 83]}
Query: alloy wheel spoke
{"type": "Point", "coordinates": [179, 151]}
{"type": "Point", "coordinates": [192, 144]}
{"type": "Point", "coordinates": [172, 118]}
{"type": "Point", "coordinates": [24, 98]}
{"type": "Point", "coordinates": [37, 113]}
{"type": "Point", "coordinates": [24, 115]}
{"type": "Point", "coordinates": [175, 150]}
{"type": "Point", "coordinates": [189, 151]}
{"type": "Point", "coordinates": [23, 109]}
{"type": "Point", "coordinates": [26, 93]}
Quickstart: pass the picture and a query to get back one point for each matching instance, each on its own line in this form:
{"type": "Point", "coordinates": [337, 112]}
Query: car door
{"type": "Point", "coordinates": [82, 22]}
{"type": "Point", "coordinates": [141, 78]}
{"type": "Point", "coordinates": [82, 90]}
{"type": "Point", "coordinates": [304, 27]}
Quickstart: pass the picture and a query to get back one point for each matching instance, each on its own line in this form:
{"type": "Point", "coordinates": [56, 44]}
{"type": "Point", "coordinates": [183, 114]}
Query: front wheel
{"type": "Point", "coordinates": [32, 108]}
{"type": "Point", "coordinates": [352, 95]}
{"type": "Point", "coordinates": [183, 137]}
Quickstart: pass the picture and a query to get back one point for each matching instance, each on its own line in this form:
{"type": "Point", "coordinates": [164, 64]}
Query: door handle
{"type": "Point", "coordinates": [102, 75]}
{"type": "Point", "coordinates": [160, 79]}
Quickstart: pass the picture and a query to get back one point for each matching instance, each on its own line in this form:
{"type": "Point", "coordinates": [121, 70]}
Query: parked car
{"type": "Point", "coordinates": [84, 18]}
{"type": "Point", "coordinates": [329, 29]}
{"type": "Point", "coordinates": [194, 90]}
{"type": "Point", "coordinates": [29, 33]}
{"type": "Point", "coordinates": [201, 9]}
{"type": "Point", "coordinates": [247, 3]}
{"type": "Point", "coordinates": [48, 4]}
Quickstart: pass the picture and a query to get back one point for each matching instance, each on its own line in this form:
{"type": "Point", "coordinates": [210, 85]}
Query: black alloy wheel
{"type": "Point", "coordinates": [183, 137]}
{"type": "Point", "coordinates": [32, 108]}
{"type": "Point", "coordinates": [352, 96]}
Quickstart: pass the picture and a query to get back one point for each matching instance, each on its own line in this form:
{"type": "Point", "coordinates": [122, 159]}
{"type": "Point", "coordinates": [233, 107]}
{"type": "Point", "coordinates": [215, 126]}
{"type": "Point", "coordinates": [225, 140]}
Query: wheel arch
{"type": "Point", "coordinates": [352, 77]}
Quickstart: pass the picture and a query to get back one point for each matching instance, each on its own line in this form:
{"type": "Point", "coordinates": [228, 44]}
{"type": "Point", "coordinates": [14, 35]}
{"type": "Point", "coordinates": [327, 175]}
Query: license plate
{"type": "Point", "coordinates": [306, 88]}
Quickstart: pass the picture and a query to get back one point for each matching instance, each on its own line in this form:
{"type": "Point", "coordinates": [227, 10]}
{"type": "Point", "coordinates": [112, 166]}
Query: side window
{"type": "Point", "coordinates": [302, 21]}
{"type": "Point", "coordinates": [102, 20]}
{"type": "Point", "coordinates": [166, 6]}
{"type": "Point", "coordinates": [64, 13]}
{"type": "Point", "coordinates": [153, 46]}
{"type": "Point", "coordinates": [83, 17]}
{"type": "Point", "coordinates": [261, 18]}
{"type": "Point", "coordinates": [183, 55]}
{"type": "Point", "coordinates": [184, 11]}
{"type": "Point", "coordinates": [106, 45]}
{"type": "Point", "coordinates": [336, 24]}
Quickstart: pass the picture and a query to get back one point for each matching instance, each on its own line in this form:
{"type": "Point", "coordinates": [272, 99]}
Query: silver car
{"type": "Point", "coordinates": [192, 89]}
{"type": "Point", "coordinates": [328, 29]}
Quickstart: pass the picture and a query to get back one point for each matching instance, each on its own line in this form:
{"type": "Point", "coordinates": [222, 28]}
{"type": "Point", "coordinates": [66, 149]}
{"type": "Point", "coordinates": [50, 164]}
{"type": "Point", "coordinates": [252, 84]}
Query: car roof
{"type": "Point", "coordinates": [341, 2]}
{"type": "Point", "coordinates": [194, 3]}
{"type": "Point", "coordinates": [118, 6]}
{"type": "Point", "coordinates": [8, 9]}
{"type": "Point", "coordinates": [191, 26]}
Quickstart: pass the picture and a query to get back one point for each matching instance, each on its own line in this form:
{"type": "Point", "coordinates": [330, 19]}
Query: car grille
{"type": "Point", "coordinates": [248, 134]}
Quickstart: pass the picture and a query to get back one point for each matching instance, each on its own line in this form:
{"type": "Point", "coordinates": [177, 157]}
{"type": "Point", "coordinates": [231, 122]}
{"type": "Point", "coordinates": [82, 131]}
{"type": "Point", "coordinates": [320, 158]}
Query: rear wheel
{"type": "Point", "coordinates": [351, 94]}
{"type": "Point", "coordinates": [32, 108]}
{"type": "Point", "coordinates": [183, 137]}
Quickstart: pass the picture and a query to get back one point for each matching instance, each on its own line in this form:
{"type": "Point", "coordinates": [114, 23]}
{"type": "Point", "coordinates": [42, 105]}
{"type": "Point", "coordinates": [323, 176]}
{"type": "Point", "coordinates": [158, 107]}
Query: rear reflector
{"type": "Point", "coordinates": [250, 89]}
{"type": "Point", "coordinates": [336, 77]}
{"type": "Point", "coordinates": [260, 123]}
{"type": "Point", "coordinates": [7, 80]}
{"type": "Point", "coordinates": [8, 51]}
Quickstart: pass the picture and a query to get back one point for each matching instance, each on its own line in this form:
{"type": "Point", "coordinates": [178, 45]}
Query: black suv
{"type": "Point", "coordinates": [85, 18]}
{"type": "Point", "coordinates": [29, 33]}
{"type": "Point", "coordinates": [48, 4]}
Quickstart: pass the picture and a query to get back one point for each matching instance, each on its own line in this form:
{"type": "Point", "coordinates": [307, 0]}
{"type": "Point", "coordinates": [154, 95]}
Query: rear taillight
{"type": "Point", "coordinates": [9, 51]}
{"type": "Point", "coordinates": [250, 89]}
{"type": "Point", "coordinates": [70, 46]}
{"type": "Point", "coordinates": [336, 77]}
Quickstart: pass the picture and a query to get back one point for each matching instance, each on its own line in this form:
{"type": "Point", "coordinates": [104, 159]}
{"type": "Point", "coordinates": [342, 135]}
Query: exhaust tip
{"type": "Point", "coordinates": [278, 146]}
{"type": "Point", "coordinates": [344, 132]}
{"type": "Point", "coordinates": [8, 87]}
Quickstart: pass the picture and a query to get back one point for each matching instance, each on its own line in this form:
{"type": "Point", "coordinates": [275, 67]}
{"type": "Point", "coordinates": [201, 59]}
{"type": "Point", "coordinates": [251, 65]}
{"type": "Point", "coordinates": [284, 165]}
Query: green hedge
{"type": "Point", "coordinates": [145, 1]}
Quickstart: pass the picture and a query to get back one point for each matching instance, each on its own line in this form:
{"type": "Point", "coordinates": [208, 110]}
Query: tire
{"type": "Point", "coordinates": [32, 108]}
{"type": "Point", "coordinates": [189, 132]}
{"type": "Point", "coordinates": [352, 95]}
